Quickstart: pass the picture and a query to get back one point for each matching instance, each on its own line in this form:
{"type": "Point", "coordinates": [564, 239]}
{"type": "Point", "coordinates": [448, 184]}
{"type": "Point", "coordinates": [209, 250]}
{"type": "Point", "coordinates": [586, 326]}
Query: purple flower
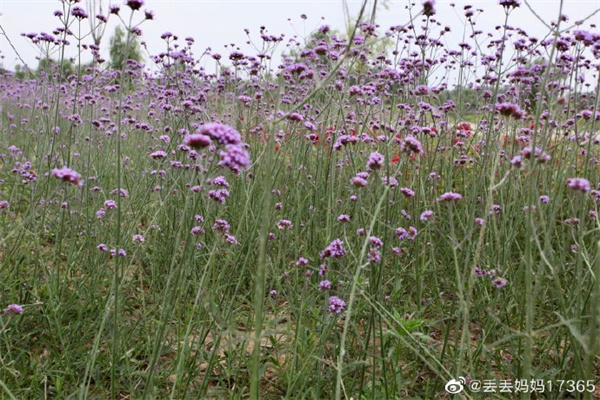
{"type": "Point", "coordinates": [375, 161]}
{"type": "Point", "coordinates": [544, 199]}
{"type": "Point", "coordinates": [134, 4]}
{"type": "Point", "coordinates": [68, 175]}
{"type": "Point", "coordinates": [78, 12]}
{"type": "Point", "coordinates": [374, 256]}
{"type": "Point", "coordinates": [322, 269]}
{"type": "Point", "coordinates": [4, 204]}
{"type": "Point", "coordinates": [336, 305]}
{"type": "Point", "coordinates": [358, 181]}
{"type": "Point", "coordinates": [449, 196]}
{"type": "Point", "coordinates": [100, 213]}
{"type": "Point", "coordinates": [335, 249]}
{"type": "Point", "coordinates": [426, 215]}
{"type": "Point", "coordinates": [138, 238]}
{"type": "Point", "coordinates": [235, 158]}
{"type": "Point", "coordinates": [499, 282]}
{"type": "Point", "coordinates": [220, 195]}
{"type": "Point", "coordinates": [411, 145]}
{"type": "Point", "coordinates": [390, 181]}
{"type": "Point", "coordinates": [510, 110]}
{"type": "Point", "coordinates": [110, 204]}
{"type": "Point", "coordinates": [223, 134]}
{"type": "Point", "coordinates": [302, 261]}
{"type": "Point", "coordinates": [479, 221]}
{"type": "Point", "coordinates": [509, 3]}
{"type": "Point", "coordinates": [119, 252]}
{"type": "Point", "coordinates": [220, 181]}
{"type": "Point", "coordinates": [344, 218]}
{"type": "Point", "coordinates": [102, 247]}
{"type": "Point", "coordinates": [221, 225]}
{"type": "Point", "coordinates": [284, 224]}
{"type": "Point", "coordinates": [157, 155]}
{"type": "Point", "coordinates": [428, 8]}
{"type": "Point", "coordinates": [408, 192]}
{"type": "Point", "coordinates": [231, 239]}
{"type": "Point", "coordinates": [273, 293]}
{"type": "Point", "coordinates": [580, 184]}
{"type": "Point", "coordinates": [397, 251]}
{"type": "Point", "coordinates": [14, 309]}
{"type": "Point", "coordinates": [197, 230]}
{"type": "Point", "coordinates": [376, 242]}
{"type": "Point", "coordinates": [197, 140]}
{"type": "Point", "coordinates": [528, 152]}
{"type": "Point", "coordinates": [517, 161]}
{"type": "Point", "coordinates": [324, 285]}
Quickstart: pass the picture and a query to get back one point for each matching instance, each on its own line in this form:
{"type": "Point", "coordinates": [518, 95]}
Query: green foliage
{"type": "Point", "coordinates": [48, 67]}
{"type": "Point", "coordinates": [121, 51]}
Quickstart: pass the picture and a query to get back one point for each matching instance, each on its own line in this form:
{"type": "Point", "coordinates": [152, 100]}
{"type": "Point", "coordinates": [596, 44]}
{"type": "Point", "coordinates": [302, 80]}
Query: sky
{"type": "Point", "coordinates": [218, 23]}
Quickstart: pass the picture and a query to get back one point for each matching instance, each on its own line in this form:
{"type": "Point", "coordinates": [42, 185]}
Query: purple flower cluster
{"type": "Point", "coordinates": [449, 196]}
{"type": "Point", "coordinates": [14, 309]}
{"type": "Point", "coordinates": [336, 305]}
{"type": "Point", "coordinates": [335, 249]}
{"type": "Point", "coordinates": [579, 184]}
{"type": "Point", "coordinates": [68, 175]}
{"type": "Point", "coordinates": [375, 161]}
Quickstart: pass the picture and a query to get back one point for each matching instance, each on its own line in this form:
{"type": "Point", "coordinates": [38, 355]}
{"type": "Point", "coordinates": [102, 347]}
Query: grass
{"type": "Point", "coordinates": [208, 316]}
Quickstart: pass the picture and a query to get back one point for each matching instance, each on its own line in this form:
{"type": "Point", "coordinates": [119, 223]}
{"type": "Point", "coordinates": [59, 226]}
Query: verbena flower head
{"type": "Point", "coordinates": [510, 3]}
{"type": "Point", "coordinates": [358, 181]}
{"type": "Point", "coordinates": [579, 184]}
{"type": "Point", "coordinates": [426, 215]}
{"type": "Point", "coordinates": [220, 133]}
{"type": "Point", "coordinates": [221, 225]}
{"type": "Point", "coordinates": [197, 141]}
{"type": "Point", "coordinates": [335, 249]}
{"type": "Point", "coordinates": [157, 155]}
{"type": "Point", "coordinates": [376, 242]}
{"type": "Point", "coordinates": [344, 218]}
{"type": "Point", "coordinates": [14, 309]}
{"type": "Point", "coordinates": [375, 161]}
{"type": "Point", "coordinates": [235, 158]}
{"type": "Point", "coordinates": [499, 282]}
{"type": "Point", "coordinates": [302, 261]}
{"type": "Point", "coordinates": [134, 4]}
{"type": "Point", "coordinates": [336, 305]}
{"type": "Point", "coordinates": [78, 12]}
{"type": "Point", "coordinates": [411, 145]}
{"type": "Point", "coordinates": [220, 181]}
{"type": "Point", "coordinates": [510, 110]}
{"type": "Point", "coordinates": [68, 175]}
{"type": "Point", "coordinates": [408, 192]}
{"type": "Point", "coordinates": [428, 8]}
{"type": "Point", "coordinates": [284, 224]}
{"type": "Point", "coordinates": [449, 196]}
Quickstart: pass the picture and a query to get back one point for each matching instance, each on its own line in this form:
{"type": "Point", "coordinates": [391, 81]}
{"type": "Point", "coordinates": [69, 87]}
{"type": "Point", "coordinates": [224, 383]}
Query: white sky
{"type": "Point", "coordinates": [217, 23]}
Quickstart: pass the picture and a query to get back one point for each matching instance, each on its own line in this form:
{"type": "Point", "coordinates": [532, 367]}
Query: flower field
{"type": "Point", "coordinates": [373, 215]}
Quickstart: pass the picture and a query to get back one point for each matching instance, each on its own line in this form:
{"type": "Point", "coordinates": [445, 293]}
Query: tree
{"type": "Point", "coordinates": [121, 52]}
{"type": "Point", "coordinates": [49, 67]}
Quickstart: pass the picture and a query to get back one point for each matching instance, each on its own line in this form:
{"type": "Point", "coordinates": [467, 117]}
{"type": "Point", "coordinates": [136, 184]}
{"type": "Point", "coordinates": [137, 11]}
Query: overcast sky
{"type": "Point", "coordinates": [217, 23]}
